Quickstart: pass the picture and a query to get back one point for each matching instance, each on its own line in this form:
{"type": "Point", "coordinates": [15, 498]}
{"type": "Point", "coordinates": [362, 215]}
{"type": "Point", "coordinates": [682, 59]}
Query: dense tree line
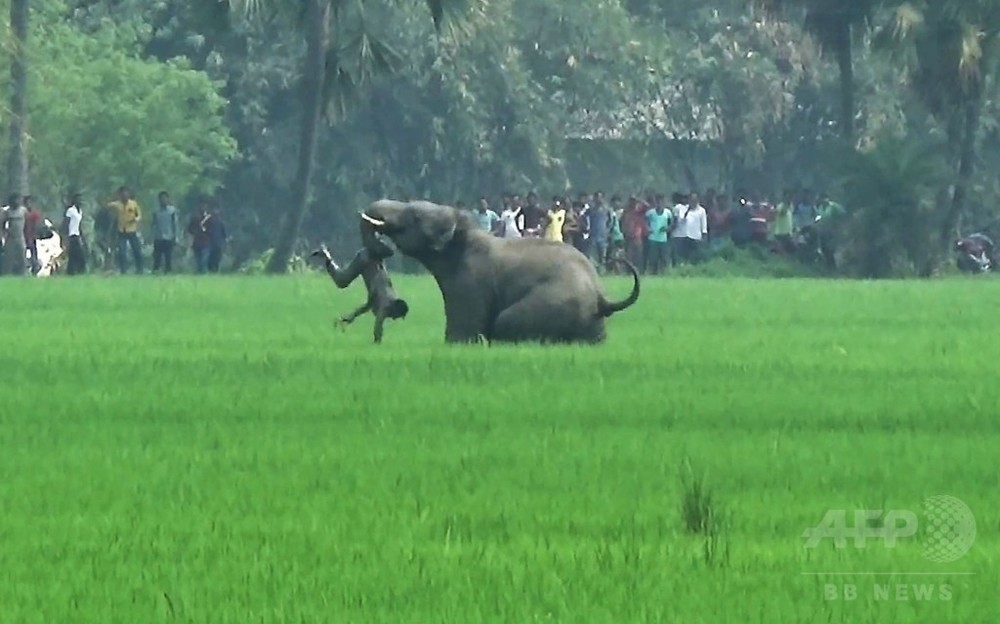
{"type": "Point", "coordinates": [297, 117]}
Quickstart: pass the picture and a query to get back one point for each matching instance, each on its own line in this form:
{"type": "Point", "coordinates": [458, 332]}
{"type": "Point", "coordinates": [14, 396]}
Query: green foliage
{"type": "Point", "coordinates": [620, 95]}
{"type": "Point", "coordinates": [102, 116]}
{"type": "Point", "coordinates": [895, 195]}
{"type": "Point", "coordinates": [754, 261]}
{"type": "Point", "coordinates": [214, 450]}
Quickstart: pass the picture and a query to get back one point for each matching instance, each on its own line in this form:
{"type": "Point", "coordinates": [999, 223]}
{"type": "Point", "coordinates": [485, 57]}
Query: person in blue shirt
{"type": "Point", "coordinates": [659, 220]}
{"type": "Point", "coordinates": [804, 213]}
{"type": "Point", "coordinates": [485, 218]}
{"type": "Point", "coordinates": [599, 224]}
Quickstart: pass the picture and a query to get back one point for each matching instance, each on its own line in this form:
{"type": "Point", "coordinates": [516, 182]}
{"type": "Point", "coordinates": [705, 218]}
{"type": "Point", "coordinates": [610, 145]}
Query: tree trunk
{"type": "Point", "coordinates": [17, 158]}
{"type": "Point", "coordinates": [966, 167]}
{"type": "Point", "coordinates": [845, 61]}
{"type": "Point", "coordinates": [313, 77]}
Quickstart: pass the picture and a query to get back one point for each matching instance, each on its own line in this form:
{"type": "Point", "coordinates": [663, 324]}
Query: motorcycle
{"type": "Point", "coordinates": [975, 254]}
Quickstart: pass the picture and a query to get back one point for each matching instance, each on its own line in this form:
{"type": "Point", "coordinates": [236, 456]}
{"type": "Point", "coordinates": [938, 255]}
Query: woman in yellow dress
{"type": "Point", "coordinates": [556, 218]}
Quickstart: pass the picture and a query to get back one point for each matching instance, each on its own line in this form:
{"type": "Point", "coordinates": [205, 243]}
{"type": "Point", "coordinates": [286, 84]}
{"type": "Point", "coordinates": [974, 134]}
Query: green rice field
{"type": "Point", "coordinates": [215, 450]}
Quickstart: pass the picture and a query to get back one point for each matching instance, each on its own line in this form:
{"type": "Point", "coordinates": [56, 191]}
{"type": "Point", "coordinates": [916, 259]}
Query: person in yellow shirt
{"type": "Point", "coordinates": [555, 220]}
{"type": "Point", "coordinates": [128, 215]}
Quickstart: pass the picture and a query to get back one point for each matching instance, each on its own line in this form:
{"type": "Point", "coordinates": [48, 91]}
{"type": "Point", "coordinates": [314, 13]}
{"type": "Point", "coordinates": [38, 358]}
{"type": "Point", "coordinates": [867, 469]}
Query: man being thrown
{"type": "Point", "coordinates": [369, 263]}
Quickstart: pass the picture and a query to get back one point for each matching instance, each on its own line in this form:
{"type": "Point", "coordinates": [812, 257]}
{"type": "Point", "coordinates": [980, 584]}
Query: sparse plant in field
{"type": "Point", "coordinates": [698, 509]}
{"type": "Point", "coordinates": [702, 515]}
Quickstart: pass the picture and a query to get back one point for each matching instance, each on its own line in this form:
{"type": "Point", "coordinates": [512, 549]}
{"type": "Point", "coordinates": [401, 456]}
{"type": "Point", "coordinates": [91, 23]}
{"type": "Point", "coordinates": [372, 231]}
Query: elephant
{"type": "Point", "coordinates": [498, 289]}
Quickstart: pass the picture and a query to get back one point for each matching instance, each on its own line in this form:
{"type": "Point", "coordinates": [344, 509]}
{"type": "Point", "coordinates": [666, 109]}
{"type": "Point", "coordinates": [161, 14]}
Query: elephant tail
{"type": "Point", "coordinates": [606, 308]}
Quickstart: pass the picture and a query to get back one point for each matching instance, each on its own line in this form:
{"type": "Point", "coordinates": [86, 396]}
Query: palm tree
{"type": "Point", "coordinates": [951, 49]}
{"type": "Point", "coordinates": [17, 157]}
{"type": "Point", "coordinates": [341, 56]}
{"type": "Point", "coordinates": [832, 23]}
{"type": "Point", "coordinates": [894, 217]}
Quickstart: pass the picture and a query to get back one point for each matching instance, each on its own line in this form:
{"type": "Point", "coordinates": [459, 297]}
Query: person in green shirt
{"type": "Point", "coordinates": [784, 223]}
{"type": "Point", "coordinates": [829, 215]}
{"type": "Point", "coordinates": [659, 220]}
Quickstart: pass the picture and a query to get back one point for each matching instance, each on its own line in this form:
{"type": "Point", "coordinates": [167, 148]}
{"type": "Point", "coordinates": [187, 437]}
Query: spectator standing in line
{"type": "Point", "coordinates": [659, 220]}
{"type": "Point", "coordinates": [166, 229]}
{"type": "Point", "coordinates": [577, 225]}
{"type": "Point", "coordinates": [582, 240]}
{"type": "Point", "coordinates": [636, 228]}
{"type": "Point", "coordinates": [741, 226]}
{"type": "Point", "coordinates": [719, 215]}
{"type": "Point", "coordinates": [617, 234]}
{"type": "Point", "coordinates": [805, 210]}
{"type": "Point", "coordinates": [599, 225]}
{"type": "Point", "coordinates": [828, 217]}
{"type": "Point", "coordinates": [554, 221]}
{"type": "Point", "coordinates": [3, 230]}
{"type": "Point", "coordinates": [197, 228]}
{"type": "Point", "coordinates": [128, 215]}
{"type": "Point", "coordinates": [217, 237]}
{"type": "Point", "coordinates": [534, 216]}
{"type": "Point", "coordinates": [677, 231]}
{"type": "Point", "coordinates": [485, 217]}
{"type": "Point", "coordinates": [761, 214]}
{"type": "Point", "coordinates": [72, 229]}
{"type": "Point", "coordinates": [32, 223]}
{"type": "Point", "coordinates": [511, 220]}
{"type": "Point", "coordinates": [690, 231]}
{"type": "Point", "coordinates": [14, 250]}
{"type": "Point", "coordinates": [784, 223]}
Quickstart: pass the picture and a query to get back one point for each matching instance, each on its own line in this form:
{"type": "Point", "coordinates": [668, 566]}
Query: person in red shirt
{"type": "Point", "coordinates": [635, 228]}
{"type": "Point", "coordinates": [760, 220]}
{"type": "Point", "coordinates": [718, 221]}
{"type": "Point", "coordinates": [31, 223]}
{"type": "Point", "coordinates": [200, 239]}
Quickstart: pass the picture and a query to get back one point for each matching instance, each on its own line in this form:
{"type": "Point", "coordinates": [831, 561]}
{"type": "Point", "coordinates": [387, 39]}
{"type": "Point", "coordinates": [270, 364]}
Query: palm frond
{"type": "Point", "coordinates": [971, 56]}
{"type": "Point", "coordinates": [906, 20]}
{"type": "Point", "coordinates": [360, 59]}
{"type": "Point", "coordinates": [250, 8]}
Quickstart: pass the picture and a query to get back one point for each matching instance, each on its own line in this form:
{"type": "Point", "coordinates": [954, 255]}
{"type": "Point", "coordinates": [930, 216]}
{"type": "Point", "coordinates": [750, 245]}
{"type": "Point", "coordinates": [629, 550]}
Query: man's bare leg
{"type": "Point", "coordinates": [343, 277]}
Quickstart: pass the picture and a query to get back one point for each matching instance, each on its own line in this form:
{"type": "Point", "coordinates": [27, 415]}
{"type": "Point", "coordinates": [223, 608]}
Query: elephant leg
{"type": "Point", "coordinates": [466, 312]}
{"type": "Point", "coordinates": [536, 318]}
{"type": "Point", "coordinates": [463, 333]}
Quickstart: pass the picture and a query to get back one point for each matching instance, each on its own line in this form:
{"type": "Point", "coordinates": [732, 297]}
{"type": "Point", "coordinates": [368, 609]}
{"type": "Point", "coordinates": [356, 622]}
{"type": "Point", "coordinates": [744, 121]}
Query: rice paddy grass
{"type": "Point", "coordinates": [216, 450]}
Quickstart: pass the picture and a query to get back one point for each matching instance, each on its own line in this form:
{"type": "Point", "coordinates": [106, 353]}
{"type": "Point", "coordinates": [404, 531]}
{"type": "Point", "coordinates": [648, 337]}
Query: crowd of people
{"type": "Point", "coordinates": [650, 231]}
{"type": "Point", "coordinates": [654, 233]}
{"type": "Point", "coordinates": [117, 231]}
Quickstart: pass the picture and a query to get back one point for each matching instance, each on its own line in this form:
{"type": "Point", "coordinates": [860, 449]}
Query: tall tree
{"type": "Point", "coordinates": [833, 24]}
{"type": "Point", "coordinates": [17, 159]}
{"type": "Point", "coordinates": [951, 49]}
{"type": "Point", "coordinates": [341, 56]}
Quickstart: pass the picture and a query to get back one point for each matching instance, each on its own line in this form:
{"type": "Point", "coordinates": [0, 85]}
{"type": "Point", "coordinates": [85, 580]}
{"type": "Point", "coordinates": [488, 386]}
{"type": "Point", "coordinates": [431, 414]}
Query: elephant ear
{"type": "Point", "coordinates": [439, 226]}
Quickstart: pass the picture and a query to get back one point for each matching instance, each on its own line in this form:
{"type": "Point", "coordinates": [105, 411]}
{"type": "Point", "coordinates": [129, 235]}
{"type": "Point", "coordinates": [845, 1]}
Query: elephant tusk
{"type": "Point", "coordinates": [372, 220]}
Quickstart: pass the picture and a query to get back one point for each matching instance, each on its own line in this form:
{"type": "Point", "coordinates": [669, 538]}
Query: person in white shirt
{"type": "Point", "coordinates": [511, 220]}
{"type": "Point", "coordinates": [691, 230]}
{"type": "Point", "coordinates": [72, 228]}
